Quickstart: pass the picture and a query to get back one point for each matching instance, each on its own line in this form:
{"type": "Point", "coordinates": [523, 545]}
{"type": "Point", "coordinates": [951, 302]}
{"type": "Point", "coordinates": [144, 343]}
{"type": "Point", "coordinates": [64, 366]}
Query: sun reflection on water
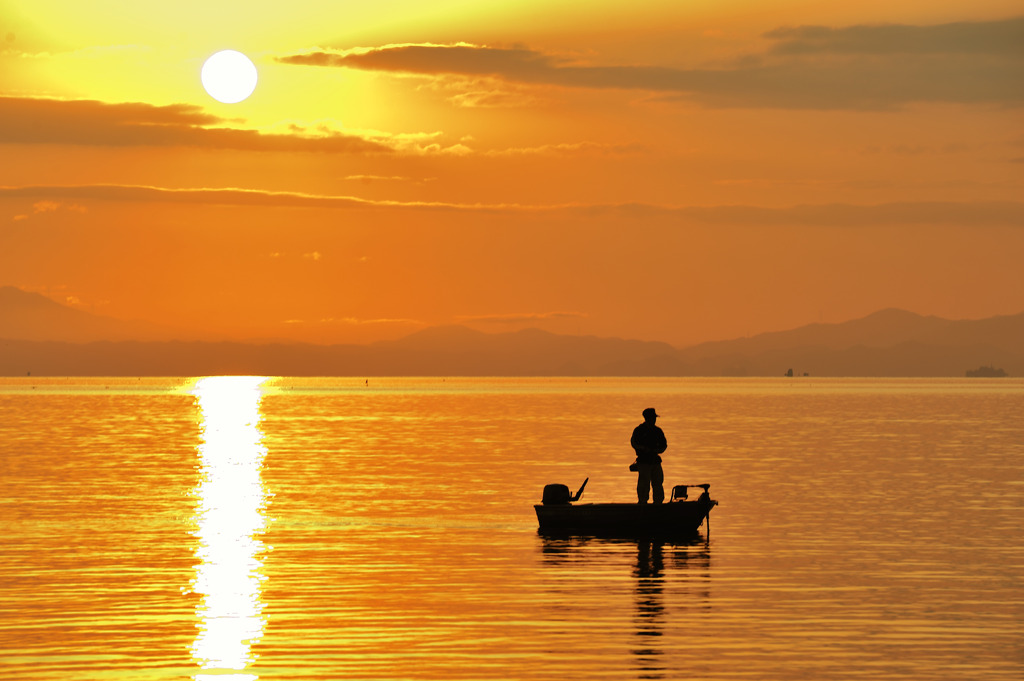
{"type": "Point", "coordinates": [229, 521]}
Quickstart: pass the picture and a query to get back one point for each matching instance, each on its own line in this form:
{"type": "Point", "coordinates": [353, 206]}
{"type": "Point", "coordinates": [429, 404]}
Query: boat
{"type": "Point", "coordinates": [558, 513]}
{"type": "Point", "coordinates": [987, 372]}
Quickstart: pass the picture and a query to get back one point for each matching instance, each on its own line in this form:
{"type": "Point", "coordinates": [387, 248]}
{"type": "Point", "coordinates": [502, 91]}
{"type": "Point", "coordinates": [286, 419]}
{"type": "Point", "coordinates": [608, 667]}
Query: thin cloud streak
{"type": "Point", "coordinates": [810, 67]}
{"type": "Point", "coordinates": [354, 321]}
{"type": "Point", "coordinates": [977, 213]}
{"type": "Point", "coordinates": [91, 123]}
{"type": "Point", "coordinates": [569, 149]}
{"type": "Point", "coordinates": [98, 124]}
{"type": "Point", "coordinates": [520, 318]}
{"type": "Point", "coordinates": [232, 196]}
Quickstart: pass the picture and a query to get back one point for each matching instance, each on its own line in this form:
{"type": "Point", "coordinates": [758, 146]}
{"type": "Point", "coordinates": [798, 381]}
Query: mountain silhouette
{"type": "Point", "coordinates": [886, 343]}
{"type": "Point", "coordinates": [40, 336]}
{"type": "Point", "coordinates": [456, 350]}
{"type": "Point", "coordinates": [32, 316]}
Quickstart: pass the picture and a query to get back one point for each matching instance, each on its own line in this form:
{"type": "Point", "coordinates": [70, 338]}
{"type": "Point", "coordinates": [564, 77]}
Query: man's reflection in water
{"type": "Point", "coordinates": [649, 620]}
{"type": "Point", "coordinates": [686, 582]}
{"type": "Point", "coordinates": [670, 580]}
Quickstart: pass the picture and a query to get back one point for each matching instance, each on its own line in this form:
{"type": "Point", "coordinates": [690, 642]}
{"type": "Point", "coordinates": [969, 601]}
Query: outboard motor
{"type": "Point", "coordinates": [556, 494]}
{"type": "Point", "coordinates": [679, 492]}
{"type": "Point", "coordinates": [559, 494]}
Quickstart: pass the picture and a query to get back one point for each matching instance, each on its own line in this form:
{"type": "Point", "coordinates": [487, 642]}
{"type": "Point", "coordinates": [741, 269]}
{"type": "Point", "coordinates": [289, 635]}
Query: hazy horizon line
{"type": "Point", "coordinates": [267, 339]}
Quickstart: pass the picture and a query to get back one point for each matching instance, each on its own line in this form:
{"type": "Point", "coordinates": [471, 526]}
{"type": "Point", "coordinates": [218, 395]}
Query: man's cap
{"type": "Point", "coordinates": [649, 412]}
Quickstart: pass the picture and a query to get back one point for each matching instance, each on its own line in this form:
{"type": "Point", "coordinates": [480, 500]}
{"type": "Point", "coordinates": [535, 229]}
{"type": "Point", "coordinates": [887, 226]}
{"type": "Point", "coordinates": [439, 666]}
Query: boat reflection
{"type": "Point", "coordinates": [229, 520]}
{"type": "Point", "coordinates": [677, 571]}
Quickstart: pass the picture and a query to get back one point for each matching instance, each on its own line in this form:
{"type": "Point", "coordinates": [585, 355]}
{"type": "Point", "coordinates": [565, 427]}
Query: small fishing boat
{"type": "Point", "coordinates": [558, 513]}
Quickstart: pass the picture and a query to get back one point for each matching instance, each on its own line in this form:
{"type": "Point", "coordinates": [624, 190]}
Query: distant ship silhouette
{"type": "Point", "coordinates": [986, 372]}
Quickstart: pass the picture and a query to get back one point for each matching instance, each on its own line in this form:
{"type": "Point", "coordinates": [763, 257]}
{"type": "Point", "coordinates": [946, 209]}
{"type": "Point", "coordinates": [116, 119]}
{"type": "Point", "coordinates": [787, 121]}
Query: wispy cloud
{"type": "Point", "coordinates": [976, 213]}
{"type": "Point", "coordinates": [430, 58]}
{"type": "Point", "coordinates": [46, 206]}
{"type": "Point", "coordinates": [354, 321]}
{"type": "Point", "coordinates": [94, 123]}
{"type": "Point", "coordinates": [379, 178]}
{"type": "Point", "coordinates": [409, 143]}
{"type": "Point", "coordinates": [569, 149]}
{"type": "Point", "coordinates": [519, 318]}
{"type": "Point", "coordinates": [813, 67]}
{"type": "Point", "coordinates": [472, 96]}
{"type": "Point", "coordinates": [97, 124]}
{"type": "Point", "coordinates": [228, 197]}
{"type": "Point", "coordinates": [482, 92]}
{"type": "Point", "coordinates": [998, 38]}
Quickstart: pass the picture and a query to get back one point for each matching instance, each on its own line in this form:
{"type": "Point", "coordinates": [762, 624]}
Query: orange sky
{"type": "Point", "coordinates": [675, 171]}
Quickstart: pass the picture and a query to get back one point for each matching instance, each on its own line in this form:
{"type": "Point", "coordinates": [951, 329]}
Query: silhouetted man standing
{"type": "Point", "coordinates": [649, 442]}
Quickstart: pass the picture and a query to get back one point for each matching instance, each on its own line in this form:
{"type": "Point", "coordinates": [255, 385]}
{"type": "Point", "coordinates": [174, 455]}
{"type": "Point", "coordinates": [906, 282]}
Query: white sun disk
{"type": "Point", "coordinates": [229, 76]}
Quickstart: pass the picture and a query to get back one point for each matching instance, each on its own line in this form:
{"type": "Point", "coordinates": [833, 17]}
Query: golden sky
{"type": "Point", "coordinates": [666, 170]}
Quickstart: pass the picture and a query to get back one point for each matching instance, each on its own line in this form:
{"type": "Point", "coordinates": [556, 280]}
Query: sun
{"type": "Point", "coordinates": [229, 76]}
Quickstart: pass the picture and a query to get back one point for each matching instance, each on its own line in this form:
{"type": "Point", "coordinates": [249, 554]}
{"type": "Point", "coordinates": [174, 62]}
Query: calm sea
{"type": "Point", "coordinates": [285, 528]}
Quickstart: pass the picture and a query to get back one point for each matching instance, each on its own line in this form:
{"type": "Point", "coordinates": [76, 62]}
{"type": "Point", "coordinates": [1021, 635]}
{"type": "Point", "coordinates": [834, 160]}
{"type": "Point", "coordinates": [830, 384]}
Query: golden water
{"type": "Point", "coordinates": [244, 528]}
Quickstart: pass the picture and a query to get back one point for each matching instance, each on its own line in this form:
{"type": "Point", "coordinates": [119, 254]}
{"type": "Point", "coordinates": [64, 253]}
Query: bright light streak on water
{"type": "Point", "coordinates": [867, 529]}
{"type": "Point", "coordinates": [230, 519]}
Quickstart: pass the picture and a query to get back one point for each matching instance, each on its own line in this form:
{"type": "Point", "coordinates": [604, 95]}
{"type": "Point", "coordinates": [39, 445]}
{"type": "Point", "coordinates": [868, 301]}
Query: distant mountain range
{"type": "Point", "coordinates": [41, 337]}
{"type": "Point", "coordinates": [31, 316]}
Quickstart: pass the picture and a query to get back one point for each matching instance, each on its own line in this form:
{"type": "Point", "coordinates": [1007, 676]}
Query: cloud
{"type": "Point", "coordinates": [429, 58]}
{"type": "Point", "coordinates": [809, 67]}
{"type": "Point", "coordinates": [569, 149]}
{"type": "Point", "coordinates": [977, 213]}
{"type": "Point", "coordinates": [94, 123]}
{"type": "Point", "coordinates": [489, 98]}
{"type": "Point", "coordinates": [45, 206]}
{"type": "Point", "coordinates": [225, 197]}
{"type": "Point", "coordinates": [1002, 38]}
{"type": "Point", "coordinates": [353, 321]}
{"type": "Point", "coordinates": [482, 92]}
{"type": "Point", "coordinates": [372, 179]}
{"type": "Point", "coordinates": [49, 207]}
{"type": "Point", "coordinates": [410, 143]}
{"type": "Point", "coordinates": [935, 213]}
{"type": "Point", "coordinates": [521, 317]}
{"type": "Point", "coordinates": [378, 178]}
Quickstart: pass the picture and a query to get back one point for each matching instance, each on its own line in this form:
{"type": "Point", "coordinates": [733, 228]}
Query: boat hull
{"type": "Point", "coordinates": [674, 518]}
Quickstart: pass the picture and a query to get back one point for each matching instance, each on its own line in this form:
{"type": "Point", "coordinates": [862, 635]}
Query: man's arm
{"type": "Point", "coordinates": [635, 440]}
{"type": "Point", "coordinates": [662, 442]}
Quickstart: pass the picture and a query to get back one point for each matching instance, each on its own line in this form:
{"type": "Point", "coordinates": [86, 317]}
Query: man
{"type": "Point", "coordinates": [649, 442]}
